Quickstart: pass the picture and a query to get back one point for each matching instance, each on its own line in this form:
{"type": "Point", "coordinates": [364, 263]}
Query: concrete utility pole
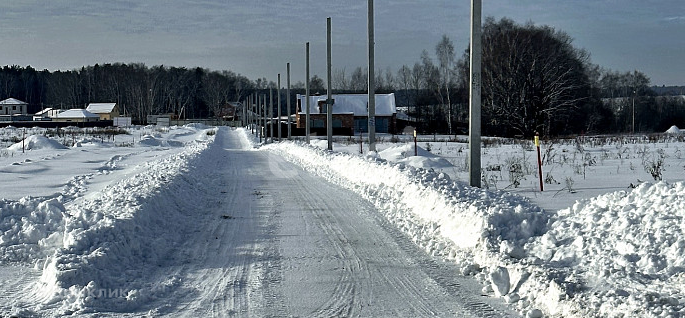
{"type": "Point", "coordinates": [259, 118]}
{"type": "Point", "coordinates": [278, 112]}
{"type": "Point", "coordinates": [306, 89]}
{"type": "Point", "coordinates": [633, 111]}
{"type": "Point", "coordinates": [249, 115]}
{"type": "Point", "coordinates": [271, 114]}
{"type": "Point", "coordinates": [372, 82]}
{"type": "Point", "coordinates": [474, 98]}
{"type": "Point", "coordinates": [288, 103]}
{"type": "Point", "coordinates": [329, 99]}
{"type": "Point", "coordinates": [264, 115]}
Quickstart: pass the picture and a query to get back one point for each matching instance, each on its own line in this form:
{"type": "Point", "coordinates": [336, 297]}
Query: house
{"type": "Point", "coordinates": [350, 111]}
{"type": "Point", "coordinates": [46, 114]}
{"type": "Point", "coordinates": [13, 106]}
{"type": "Point", "coordinates": [228, 111]}
{"type": "Point", "coordinates": [76, 116]}
{"type": "Point", "coordinates": [106, 111]}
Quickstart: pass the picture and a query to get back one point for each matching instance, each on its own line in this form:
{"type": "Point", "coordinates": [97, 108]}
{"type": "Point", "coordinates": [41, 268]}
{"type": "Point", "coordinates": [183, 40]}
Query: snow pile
{"type": "Point", "coordinates": [618, 255]}
{"type": "Point", "coordinates": [94, 249]}
{"type": "Point", "coordinates": [674, 130]}
{"type": "Point", "coordinates": [110, 239]}
{"type": "Point", "coordinates": [405, 154]}
{"type": "Point", "coordinates": [27, 227]}
{"type": "Point", "coordinates": [157, 141]}
{"type": "Point", "coordinates": [626, 249]}
{"type": "Point", "coordinates": [35, 142]}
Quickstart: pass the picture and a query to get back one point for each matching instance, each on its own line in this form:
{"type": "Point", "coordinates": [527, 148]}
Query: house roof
{"type": "Point", "coordinates": [44, 111]}
{"type": "Point", "coordinates": [353, 103]}
{"type": "Point", "coordinates": [12, 101]}
{"type": "Point", "coordinates": [77, 113]}
{"type": "Point", "coordinates": [101, 108]}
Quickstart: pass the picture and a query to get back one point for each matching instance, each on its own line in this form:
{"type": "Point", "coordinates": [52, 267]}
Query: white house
{"type": "Point", "coordinates": [77, 116]}
{"type": "Point", "coordinates": [13, 106]}
{"type": "Point", "coordinates": [106, 111]}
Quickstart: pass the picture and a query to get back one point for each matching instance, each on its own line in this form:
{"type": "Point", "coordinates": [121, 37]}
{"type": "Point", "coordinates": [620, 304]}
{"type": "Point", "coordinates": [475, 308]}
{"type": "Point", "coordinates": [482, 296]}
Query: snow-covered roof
{"type": "Point", "coordinates": [12, 101]}
{"type": "Point", "coordinates": [77, 113]}
{"type": "Point", "coordinates": [44, 111]}
{"type": "Point", "coordinates": [352, 104]}
{"type": "Point", "coordinates": [101, 108]}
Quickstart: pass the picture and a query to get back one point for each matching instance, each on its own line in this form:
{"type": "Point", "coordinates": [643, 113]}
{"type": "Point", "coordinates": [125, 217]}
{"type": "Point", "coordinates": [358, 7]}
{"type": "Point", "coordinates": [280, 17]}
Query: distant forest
{"type": "Point", "coordinates": [534, 80]}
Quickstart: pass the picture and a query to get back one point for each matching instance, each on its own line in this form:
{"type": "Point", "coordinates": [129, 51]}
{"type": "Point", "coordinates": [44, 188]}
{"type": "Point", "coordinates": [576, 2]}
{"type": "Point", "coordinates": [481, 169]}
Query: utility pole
{"type": "Point", "coordinates": [249, 115]}
{"type": "Point", "coordinates": [271, 114]}
{"type": "Point", "coordinates": [633, 129]}
{"type": "Point", "coordinates": [264, 115]}
{"type": "Point", "coordinates": [329, 99]}
{"type": "Point", "coordinates": [475, 97]}
{"type": "Point", "coordinates": [288, 102]}
{"type": "Point", "coordinates": [306, 138]}
{"type": "Point", "coordinates": [372, 81]}
{"type": "Point", "coordinates": [278, 112]}
{"type": "Point", "coordinates": [259, 119]}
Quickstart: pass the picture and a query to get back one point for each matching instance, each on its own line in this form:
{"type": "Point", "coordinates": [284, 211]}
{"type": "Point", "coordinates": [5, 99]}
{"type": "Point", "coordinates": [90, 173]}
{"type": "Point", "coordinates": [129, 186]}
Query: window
{"type": "Point", "coordinates": [318, 123]}
{"type": "Point", "coordinates": [337, 123]}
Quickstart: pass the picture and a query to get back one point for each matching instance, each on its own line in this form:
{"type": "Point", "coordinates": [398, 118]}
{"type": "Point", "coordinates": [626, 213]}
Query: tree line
{"type": "Point", "coordinates": [138, 90]}
{"type": "Point", "coordinates": [533, 80]}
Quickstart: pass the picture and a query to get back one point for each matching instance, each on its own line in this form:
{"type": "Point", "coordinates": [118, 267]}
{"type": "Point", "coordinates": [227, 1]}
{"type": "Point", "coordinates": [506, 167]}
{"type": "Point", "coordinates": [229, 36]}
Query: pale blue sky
{"type": "Point", "coordinates": [257, 38]}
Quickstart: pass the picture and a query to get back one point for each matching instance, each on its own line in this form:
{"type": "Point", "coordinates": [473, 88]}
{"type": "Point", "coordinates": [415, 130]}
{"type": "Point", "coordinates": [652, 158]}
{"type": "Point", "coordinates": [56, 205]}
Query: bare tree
{"type": "Point", "coordinates": [339, 79]}
{"type": "Point", "coordinates": [445, 53]}
{"type": "Point", "coordinates": [358, 81]}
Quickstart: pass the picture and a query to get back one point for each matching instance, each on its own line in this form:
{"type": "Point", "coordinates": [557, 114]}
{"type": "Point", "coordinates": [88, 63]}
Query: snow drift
{"type": "Point", "coordinates": [35, 142]}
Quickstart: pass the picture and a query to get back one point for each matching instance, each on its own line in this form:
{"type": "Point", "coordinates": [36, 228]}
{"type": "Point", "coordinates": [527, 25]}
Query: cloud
{"type": "Point", "coordinates": [677, 19]}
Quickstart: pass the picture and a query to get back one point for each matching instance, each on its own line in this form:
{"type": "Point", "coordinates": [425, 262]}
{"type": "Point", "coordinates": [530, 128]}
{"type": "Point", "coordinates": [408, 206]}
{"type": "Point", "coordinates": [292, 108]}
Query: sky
{"type": "Point", "coordinates": [256, 38]}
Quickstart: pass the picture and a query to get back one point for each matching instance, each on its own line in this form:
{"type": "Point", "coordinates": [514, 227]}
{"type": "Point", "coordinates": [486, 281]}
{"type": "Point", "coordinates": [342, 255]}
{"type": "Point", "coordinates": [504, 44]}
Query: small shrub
{"type": "Point", "coordinates": [656, 168]}
{"type": "Point", "coordinates": [549, 179]}
{"type": "Point", "coordinates": [569, 184]}
{"type": "Point", "coordinates": [515, 168]}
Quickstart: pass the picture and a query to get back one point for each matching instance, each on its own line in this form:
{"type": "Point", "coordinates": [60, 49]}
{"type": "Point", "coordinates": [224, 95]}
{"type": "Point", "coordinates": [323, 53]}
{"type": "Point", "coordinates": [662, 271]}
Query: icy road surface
{"type": "Point", "coordinates": [282, 242]}
{"type": "Point", "coordinates": [225, 231]}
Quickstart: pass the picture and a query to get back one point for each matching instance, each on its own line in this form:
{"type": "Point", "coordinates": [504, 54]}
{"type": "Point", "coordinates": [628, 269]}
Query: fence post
{"type": "Point", "coordinates": [537, 145]}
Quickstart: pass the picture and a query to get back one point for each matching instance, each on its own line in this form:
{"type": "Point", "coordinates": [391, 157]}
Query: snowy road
{"type": "Point", "coordinates": [281, 242]}
{"type": "Point", "coordinates": [218, 229]}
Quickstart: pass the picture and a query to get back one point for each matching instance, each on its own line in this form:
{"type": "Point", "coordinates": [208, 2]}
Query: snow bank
{"type": "Point", "coordinates": [110, 239]}
{"type": "Point", "coordinates": [626, 248]}
{"type": "Point", "coordinates": [618, 255]}
{"type": "Point", "coordinates": [156, 141]}
{"type": "Point", "coordinates": [93, 250]}
{"type": "Point", "coordinates": [35, 142]}
{"type": "Point", "coordinates": [405, 154]}
{"type": "Point", "coordinates": [27, 227]}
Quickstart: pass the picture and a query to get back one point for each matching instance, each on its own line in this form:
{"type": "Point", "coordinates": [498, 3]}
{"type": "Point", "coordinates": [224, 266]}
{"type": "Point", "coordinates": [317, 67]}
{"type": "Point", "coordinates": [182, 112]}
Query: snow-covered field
{"type": "Point", "coordinates": [114, 227]}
